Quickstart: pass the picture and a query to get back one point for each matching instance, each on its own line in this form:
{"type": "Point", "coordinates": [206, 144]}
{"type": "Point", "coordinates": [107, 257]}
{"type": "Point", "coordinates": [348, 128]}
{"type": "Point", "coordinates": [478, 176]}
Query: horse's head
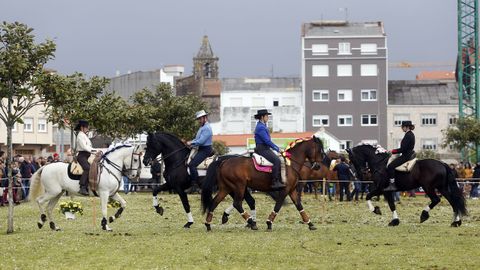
{"type": "Point", "coordinates": [316, 155]}
{"type": "Point", "coordinates": [152, 150]}
{"type": "Point", "coordinates": [362, 156]}
{"type": "Point", "coordinates": [132, 163]}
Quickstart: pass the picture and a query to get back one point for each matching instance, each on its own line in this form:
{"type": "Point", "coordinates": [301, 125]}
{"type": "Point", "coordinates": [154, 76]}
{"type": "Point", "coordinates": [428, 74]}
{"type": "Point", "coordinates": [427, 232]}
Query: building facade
{"type": "Point", "coordinates": [344, 80]}
{"type": "Point", "coordinates": [128, 84]}
{"type": "Point", "coordinates": [242, 97]}
{"type": "Point", "coordinates": [34, 137]}
{"type": "Point", "coordinates": [432, 106]}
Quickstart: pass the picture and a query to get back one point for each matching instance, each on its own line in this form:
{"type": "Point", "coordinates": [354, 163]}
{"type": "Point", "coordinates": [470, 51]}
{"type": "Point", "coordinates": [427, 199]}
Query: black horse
{"type": "Point", "coordinates": [429, 174]}
{"type": "Point", "coordinates": [174, 154]}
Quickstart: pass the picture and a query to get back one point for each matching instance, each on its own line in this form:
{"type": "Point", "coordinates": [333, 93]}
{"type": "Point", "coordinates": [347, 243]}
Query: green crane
{"type": "Point", "coordinates": [467, 64]}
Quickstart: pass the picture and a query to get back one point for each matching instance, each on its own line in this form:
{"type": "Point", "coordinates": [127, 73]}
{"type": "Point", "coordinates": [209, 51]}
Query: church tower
{"type": "Point", "coordinates": [205, 64]}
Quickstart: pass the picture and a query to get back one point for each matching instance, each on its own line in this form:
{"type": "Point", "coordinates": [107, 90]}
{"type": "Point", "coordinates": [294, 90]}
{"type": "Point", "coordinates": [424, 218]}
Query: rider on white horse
{"type": "Point", "coordinates": [84, 148]}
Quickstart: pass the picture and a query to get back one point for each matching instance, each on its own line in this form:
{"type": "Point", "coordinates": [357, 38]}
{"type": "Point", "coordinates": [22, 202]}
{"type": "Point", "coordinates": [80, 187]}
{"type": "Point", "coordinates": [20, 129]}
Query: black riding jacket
{"type": "Point", "coordinates": [407, 144]}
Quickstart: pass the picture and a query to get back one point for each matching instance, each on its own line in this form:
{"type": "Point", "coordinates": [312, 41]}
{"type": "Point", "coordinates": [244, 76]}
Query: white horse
{"type": "Point", "coordinates": [50, 182]}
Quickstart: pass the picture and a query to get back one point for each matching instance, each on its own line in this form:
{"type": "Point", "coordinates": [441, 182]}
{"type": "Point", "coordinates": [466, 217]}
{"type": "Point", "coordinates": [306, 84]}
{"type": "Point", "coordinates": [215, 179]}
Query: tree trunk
{"type": "Point", "coordinates": [8, 164]}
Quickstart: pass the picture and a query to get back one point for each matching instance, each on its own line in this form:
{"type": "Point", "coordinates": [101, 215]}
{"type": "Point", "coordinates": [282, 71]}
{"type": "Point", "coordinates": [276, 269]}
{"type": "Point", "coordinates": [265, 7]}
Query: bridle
{"type": "Point", "coordinates": [314, 166]}
{"type": "Point", "coordinates": [124, 170]}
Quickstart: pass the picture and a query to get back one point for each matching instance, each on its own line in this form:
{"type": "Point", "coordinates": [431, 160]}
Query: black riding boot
{"type": "Point", "coordinates": [83, 191]}
{"type": "Point", "coordinates": [277, 183]}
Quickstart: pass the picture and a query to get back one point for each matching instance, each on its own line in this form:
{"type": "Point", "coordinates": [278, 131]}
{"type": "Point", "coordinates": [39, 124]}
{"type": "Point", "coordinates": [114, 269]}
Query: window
{"type": "Point", "coordinates": [320, 120]}
{"type": "Point", "coordinates": [319, 49]}
{"type": "Point", "coordinates": [368, 70]}
{"type": "Point", "coordinates": [275, 102]}
{"type": "Point", "coordinates": [344, 70]}
{"type": "Point", "coordinates": [319, 70]}
{"type": "Point", "coordinates": [429, 119]}
{"type": "Point", "coordinates": [345, 120]}
{"type": "Point", "coordinates": [369, 120]}
{"type": "Point", "coordinates": [368, 48]}
{"type": "Point", "coordinates": [369, 95]}
{"type": "Point", "coordinates": [320, 95]}
{"type": "Point", "coordinates": [344, 48]}
{"type": "Point", "coordinates": [344, 95]}
{"type": "Point", "coordinates": [258, 102]}
{"type": "Point", "coordinates": [429, 144]}
{"type": "Point", "coordinates": [42, 125]}
{"type": "Point", "coordinates": [28, 124]}
{"type": "Point", "coordinates": [346, 144]}
{"type": "Point", "coordinates": [452, 118]}
{"type": "Point", "coordinates": [399, 118]}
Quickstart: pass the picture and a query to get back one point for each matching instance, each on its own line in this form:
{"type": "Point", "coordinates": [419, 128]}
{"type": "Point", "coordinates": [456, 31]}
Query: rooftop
{"type": "Point", "coordinates": [422, 93]}
{"type": "Point", "coordinates": [436, 75]}
{"type": "Point", "coordinates": [342, 28]}
{"type": "Point", "coordinates": [262, 84]}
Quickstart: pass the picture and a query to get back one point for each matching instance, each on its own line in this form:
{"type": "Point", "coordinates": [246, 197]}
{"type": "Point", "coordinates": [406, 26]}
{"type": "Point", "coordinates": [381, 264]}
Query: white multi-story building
{"type": "Point", "coordinates": [33, 137]}
{"type": "Point", "coordinates": [432, 106]}
{"type": "Point", "coordinates": [242, 97]}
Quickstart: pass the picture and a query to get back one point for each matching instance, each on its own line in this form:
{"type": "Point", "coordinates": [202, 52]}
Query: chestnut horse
{"type": "Point", "coordinates": [234, 175]}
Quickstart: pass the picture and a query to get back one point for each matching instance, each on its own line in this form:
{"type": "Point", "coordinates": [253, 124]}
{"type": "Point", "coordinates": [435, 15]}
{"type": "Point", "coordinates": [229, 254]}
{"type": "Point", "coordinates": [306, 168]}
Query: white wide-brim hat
{"type": "Point", "coordinates": [200, 114]}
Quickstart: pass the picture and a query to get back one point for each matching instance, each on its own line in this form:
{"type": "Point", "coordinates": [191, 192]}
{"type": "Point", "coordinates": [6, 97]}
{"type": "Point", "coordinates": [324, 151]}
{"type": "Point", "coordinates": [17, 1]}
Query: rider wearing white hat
{"type": "Point", "coordinates": [203, 140]}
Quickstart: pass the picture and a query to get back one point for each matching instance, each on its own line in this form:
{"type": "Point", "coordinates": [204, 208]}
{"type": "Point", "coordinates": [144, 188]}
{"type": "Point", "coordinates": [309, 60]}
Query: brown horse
{"type": "Point", "coordinates": [234, 175]}
{"type": "Point", "coordinates": [323, 173]}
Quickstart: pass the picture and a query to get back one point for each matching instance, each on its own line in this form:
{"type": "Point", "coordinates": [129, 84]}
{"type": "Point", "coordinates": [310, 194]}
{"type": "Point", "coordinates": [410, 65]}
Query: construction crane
{"type": "Point", "coordinates": [467, 63]}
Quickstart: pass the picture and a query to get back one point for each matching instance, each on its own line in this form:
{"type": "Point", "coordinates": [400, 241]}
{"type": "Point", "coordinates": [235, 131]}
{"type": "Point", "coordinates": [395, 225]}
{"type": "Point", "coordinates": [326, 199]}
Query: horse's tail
{"type": "Point", "coordinates": [36, 187]}
{"type": "Point", "coordinates": [210, 182]}
{"type": "Point", "coordinates": [456, 194]}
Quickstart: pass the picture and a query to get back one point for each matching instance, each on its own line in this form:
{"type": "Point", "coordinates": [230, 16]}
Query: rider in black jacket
{"type": "Point", "coordinates": [406, 151]}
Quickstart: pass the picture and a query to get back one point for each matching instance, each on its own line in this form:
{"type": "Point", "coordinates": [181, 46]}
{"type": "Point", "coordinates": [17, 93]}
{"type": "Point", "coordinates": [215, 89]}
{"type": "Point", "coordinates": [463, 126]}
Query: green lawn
{"type": "Point", "coordinates": [348, 237]}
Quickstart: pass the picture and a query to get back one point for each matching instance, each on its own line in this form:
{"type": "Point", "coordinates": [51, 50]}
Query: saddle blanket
{"type": "Point", "coordinates": [405, 167]}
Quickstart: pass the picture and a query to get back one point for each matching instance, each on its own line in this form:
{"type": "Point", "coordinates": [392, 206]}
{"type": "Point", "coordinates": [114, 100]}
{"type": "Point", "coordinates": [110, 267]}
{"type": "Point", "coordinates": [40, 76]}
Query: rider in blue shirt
{"type": "Point", "coordinates": [264, 144]}
{"type": "Point", "coordinates": [203, 141]}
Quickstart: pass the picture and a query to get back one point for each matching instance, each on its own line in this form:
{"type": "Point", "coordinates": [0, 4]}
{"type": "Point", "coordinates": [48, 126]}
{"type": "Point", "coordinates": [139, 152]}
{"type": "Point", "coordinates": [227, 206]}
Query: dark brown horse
{"type": "Point", "coordinates": [234, 175]}
{"type": "Point", "coordinates": [324, 173]}
{"type": "Point", "coordinates": [430, 174]}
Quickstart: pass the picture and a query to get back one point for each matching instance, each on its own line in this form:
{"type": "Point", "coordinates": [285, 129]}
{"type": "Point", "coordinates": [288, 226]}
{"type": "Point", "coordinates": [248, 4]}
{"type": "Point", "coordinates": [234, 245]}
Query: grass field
{"type": "Point", "coordinates": [348, 237]}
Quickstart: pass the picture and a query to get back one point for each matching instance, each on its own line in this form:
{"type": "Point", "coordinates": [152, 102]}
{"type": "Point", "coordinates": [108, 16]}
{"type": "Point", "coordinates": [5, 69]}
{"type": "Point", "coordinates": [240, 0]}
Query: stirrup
{"type": "Point", "coordinates": [391, 187]}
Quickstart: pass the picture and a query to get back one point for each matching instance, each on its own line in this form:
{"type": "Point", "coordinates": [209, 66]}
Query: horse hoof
{"type": "Point", "coordinates": [377, 211]}
{"type": "Point", "coordinates": [209, 227]}
{"type": "Point", "coordinates": [311, 227]}
{"type": "Point", "coordinates": [424, 216]}
{"type": "Point", "coordinates": [40, 225]}
{"type": "Point", "coordinates": [269, 226]}
{"type": "Point", "coordinates": [111, 219]}
{"type": "Point", "coordinates": [187, 225]}
{"type": "Point", "coordinates": [159, 210]}
{"type": "Point", "coordinates": [456, 223]}
{"type": "Point", "coordinates": [394, 222]}
{"type": "Point", "coordinates": [225, 218]}
{"type": "Point", "coordinates": [254, 227]}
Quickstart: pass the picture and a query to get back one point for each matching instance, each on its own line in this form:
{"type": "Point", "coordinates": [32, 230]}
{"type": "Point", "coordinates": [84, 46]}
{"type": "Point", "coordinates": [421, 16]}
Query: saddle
{"type": "Point", "coordinates": [204, 165]}
{"type": "Point", "coordinates": [75, 171]}
{"type": "Point", "coordinates": [407, 166]}
{"type": "Point", "coordinates": [261, 164]}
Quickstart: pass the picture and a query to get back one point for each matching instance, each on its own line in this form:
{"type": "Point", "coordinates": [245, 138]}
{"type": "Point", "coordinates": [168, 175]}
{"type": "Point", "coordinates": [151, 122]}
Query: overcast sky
{"type": "Point", "coordinates": [249, 36]}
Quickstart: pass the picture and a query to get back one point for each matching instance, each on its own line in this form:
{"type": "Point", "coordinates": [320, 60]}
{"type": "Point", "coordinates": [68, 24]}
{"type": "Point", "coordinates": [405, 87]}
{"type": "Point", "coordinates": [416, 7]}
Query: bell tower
{"type": "Point", "coordinates": [205, 64]}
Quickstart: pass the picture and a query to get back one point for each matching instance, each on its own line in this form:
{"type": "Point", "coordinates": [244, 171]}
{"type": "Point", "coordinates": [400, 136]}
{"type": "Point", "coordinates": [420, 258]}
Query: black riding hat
{"type": "Point", "coordinates": [261, 113]}
{"type": "Point", "coordinates": [408, 124]}
{"type": "Point", "coordinates": [81, 123]}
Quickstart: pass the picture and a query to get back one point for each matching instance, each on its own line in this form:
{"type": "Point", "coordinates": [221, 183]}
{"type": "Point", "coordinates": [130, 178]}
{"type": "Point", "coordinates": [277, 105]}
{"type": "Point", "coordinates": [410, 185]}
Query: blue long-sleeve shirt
{"type": "Point", "coordinates": [263, 137]}
{"type": "Point", "coordinates": [204, 136]}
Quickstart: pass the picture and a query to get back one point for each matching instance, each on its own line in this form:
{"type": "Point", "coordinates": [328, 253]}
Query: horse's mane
{"type": "Point", "coordinates": [375, 147]}
{"type": "Point", "coordinates": [171, 136]}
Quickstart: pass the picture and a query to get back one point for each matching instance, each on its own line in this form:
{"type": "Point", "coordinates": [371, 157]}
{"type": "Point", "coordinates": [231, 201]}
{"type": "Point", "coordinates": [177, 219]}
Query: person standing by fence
{"type": "Point", "coordinates": [344, 175]}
